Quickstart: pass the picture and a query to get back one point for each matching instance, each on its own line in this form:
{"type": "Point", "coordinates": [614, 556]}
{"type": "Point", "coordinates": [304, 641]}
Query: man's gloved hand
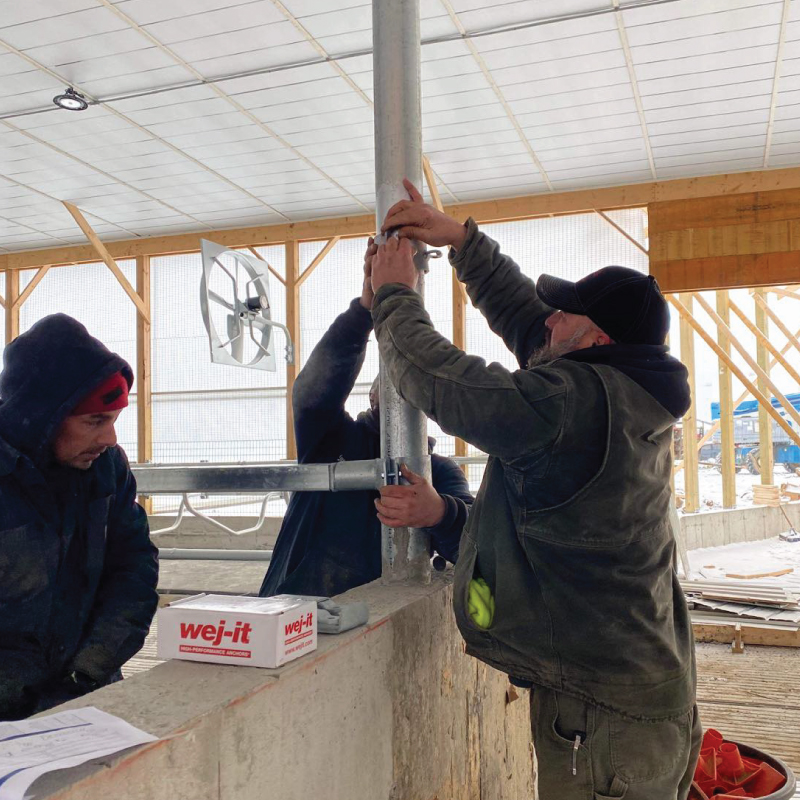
{"type": "Point", "coordinates": [415, 506]}
{"type": "Point", "coordinates": [480, 603]}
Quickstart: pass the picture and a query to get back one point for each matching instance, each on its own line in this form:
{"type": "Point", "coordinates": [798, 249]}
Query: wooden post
{"type": "Point", "coordinates": [727, 451]}
{"type": "Point", "coordinates": [12, 306]}
{"type": "Point", "coordinates": [293, 324]}
{"type": "Point", "coordinates": [765, 453]}
{"type": "Point", "coordinates": [460, 341]}
{"type": "Point", "coordinates": [691, 485]}
{"type": "Point", "coordinates": [144, 384]}
{"type": "Point", "coordinates": [793, 434]}
{"type": "Point", "coordinates": [673, 471]}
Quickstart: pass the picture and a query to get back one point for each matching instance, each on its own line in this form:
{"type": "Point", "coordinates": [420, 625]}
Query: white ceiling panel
{"type": "Point", "coordinates": [590, 113]}
{"type": "Point", "coordinates": [709, 122]}
{"type": "Point", "coordinates": [12, 12]}
{"type": "Point", "coordinates": [710, 45]}
{"type": "Point", "coordinates": [329, 86]}
{"type": "Point", "coordinates": [681, 64]}
{"type": "Point", "coordinates": [478, 15]}
{"type": "Point", "coordinates": [174, 159]}
{"type": "Point", "coordinates": [492, 139]}
{"type": "Point", "coordinates": [713, 94]}
{"type": "Point", "coordinates": [260, 38]}
{"type": "Point", "coordinates": [694, 112]}
{"type": "Point", "coordinates": [696, 138]}
{"type": "Point", "coordinates": [90, 22]}
{"type": "Point", "coordinates": [741, 21]}
{"type": "Point", "coordinates": [212, 23]}
{"type": "Point", "coordinates": [212, 64]}
{"type": "Point", "coordinates": [591, 126]}
{"type": "Point", "coordinates": [704, 80]}
{"type": "Point", "coordinates": [496, 129]}
{"type": "Point", "coordinates": [608, 151]}
{"type": "Point", "coordinates": [337, 104]}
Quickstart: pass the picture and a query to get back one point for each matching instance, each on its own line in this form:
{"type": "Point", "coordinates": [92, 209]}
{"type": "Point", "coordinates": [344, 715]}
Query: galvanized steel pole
{"type": "Point", "coordinates": [398, 155]}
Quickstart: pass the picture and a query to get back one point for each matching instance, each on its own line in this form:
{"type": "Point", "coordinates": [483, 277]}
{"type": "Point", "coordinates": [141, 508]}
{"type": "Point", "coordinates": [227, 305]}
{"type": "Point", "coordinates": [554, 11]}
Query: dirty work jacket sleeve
{"type": "Point", "coordinates": [126, 598]}
{"type": "Point", "coordinates": [506, 414]}
{"type": "Point", "coordinates": [453, 487]}
{"type": "Point", "coordinates": [328, 377]}
{"type": "Point", "coordinates": [499, 290]}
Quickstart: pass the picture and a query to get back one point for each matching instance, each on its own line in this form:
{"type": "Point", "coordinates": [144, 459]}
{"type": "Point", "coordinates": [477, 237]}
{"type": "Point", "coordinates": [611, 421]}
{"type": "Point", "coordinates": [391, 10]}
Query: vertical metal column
{"type": "Point", "coordinates": [398, 154]}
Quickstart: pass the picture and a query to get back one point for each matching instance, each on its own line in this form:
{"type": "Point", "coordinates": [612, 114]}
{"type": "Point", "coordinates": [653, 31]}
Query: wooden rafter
{"type": "Point", "coordinates": [783, 292]}
{"type": "Point", "coordinates": [750, 361]}
{"type": "Point", "coordinates": [764, 339]}
{"type": "Point", "coordinates": [709, 340]}
{"type": "Point", "coordinates": [269, 266]}
{"type": "Point", "coordinates": [318, 259]}
{"type": "Point", "coordinates": [34, 282]}
{"type": "Point", "coordinates": [790, 338]}
{"type": "Point", "coordinates": [740, 399]}
{"type": "Point", "coordinates": [430, 179]}
{"type": "Point", "coordinates": [101, 250]}
{"type": "Point", "coordinates": [622, 230]}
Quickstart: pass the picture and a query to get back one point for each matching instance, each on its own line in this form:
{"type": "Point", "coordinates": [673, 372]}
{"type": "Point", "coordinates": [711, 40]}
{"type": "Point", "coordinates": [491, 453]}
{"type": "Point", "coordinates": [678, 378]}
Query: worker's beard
{"type": "Point", "coordinates": [550, 352]}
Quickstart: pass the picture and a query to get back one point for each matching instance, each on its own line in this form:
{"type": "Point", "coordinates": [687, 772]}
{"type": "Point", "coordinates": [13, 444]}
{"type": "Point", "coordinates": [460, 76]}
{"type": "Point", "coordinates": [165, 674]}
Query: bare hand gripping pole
{"type": "Point", "coordinates": [398, 155]}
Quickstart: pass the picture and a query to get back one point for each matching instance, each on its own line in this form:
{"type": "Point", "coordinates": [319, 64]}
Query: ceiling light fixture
{"type": "Point", "coordinates": [71, 100]}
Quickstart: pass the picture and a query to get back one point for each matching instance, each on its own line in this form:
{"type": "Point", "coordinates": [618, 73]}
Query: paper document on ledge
{"type": "Point", "coordinates": [31, 747]}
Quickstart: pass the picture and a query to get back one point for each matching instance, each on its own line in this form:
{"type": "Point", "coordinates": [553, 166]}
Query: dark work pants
{"type": "Point", "coordinates": [586, 753]}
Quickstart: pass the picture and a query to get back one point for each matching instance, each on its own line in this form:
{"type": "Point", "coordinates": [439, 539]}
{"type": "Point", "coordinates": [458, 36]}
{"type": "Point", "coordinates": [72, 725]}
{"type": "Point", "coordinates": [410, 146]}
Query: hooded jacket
{"type": "Point", "coordinates": [78, 571]}
{"type": "Point", "coordinates": [570, 528]}
{"type": "Point", "coordinates": [330, 542]}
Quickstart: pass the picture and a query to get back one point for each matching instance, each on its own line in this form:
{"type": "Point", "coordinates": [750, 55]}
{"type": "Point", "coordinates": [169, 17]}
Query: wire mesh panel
{"type": "Point", "coordinates": [92, 295]}
{"type": "Point", "coordinates": [330, 289]}
{"type": "Point", "coordinates": [204, 412]}
{"type": "Point", "coordinates": [568, 247]}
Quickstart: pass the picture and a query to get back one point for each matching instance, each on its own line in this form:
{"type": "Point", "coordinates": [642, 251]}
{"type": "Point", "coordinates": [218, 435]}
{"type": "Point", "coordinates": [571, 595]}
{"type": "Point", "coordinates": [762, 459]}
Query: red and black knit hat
{"type": "Point", "coordinates": [110, 395]}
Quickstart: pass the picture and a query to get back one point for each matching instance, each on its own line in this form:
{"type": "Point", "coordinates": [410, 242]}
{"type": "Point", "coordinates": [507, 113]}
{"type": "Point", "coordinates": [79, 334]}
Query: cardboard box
{"type": "Point", "coordinates": [248, 631]}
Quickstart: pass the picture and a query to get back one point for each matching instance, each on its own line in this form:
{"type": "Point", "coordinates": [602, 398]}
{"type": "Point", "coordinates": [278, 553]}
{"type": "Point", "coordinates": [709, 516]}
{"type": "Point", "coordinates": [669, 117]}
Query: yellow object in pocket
{"type": "Point", "coordinates": [480, 603]}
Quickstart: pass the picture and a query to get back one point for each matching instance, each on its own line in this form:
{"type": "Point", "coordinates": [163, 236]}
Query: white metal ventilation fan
{"type": "Point", "coordinates": [234, 300]}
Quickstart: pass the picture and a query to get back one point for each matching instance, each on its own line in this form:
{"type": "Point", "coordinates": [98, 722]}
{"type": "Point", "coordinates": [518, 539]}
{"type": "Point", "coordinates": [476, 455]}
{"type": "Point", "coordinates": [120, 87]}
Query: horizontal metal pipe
{"type": "Point", "coordinates": [340, 476]}
{"type": "Point", "coordinates": [200, 554]}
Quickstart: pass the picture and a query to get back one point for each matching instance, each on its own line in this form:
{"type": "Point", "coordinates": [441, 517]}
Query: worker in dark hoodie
{"type": "Point", "coordinates": [330, 542]}
{"type": "Point", "coordinates": [78, 571]}
{"type": "Point", "coordinates": [565, 575]}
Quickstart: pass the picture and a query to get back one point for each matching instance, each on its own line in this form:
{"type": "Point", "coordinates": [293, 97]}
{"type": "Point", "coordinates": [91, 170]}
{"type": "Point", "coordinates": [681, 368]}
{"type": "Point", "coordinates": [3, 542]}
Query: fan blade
{"type": "Point", "coordinates": [236, 338]}
{"type": "Point", "coordinates": [221, 301]}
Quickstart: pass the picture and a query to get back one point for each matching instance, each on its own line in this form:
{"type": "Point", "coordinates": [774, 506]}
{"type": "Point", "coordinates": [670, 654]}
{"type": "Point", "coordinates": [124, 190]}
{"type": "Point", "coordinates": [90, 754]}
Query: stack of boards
{"type": "Point", "coordinates": [758, 612]}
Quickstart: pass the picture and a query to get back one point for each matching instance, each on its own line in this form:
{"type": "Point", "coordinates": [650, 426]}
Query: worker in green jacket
{"type": "Point", "coordinates": [569, 544]}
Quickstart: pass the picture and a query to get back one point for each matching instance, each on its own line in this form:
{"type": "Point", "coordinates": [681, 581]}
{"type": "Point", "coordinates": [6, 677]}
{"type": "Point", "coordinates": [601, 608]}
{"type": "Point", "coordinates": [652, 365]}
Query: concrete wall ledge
{"type": "Point", "coordinates": [715, 528]}
{"type": "Point", "coordinates": [390, 710]}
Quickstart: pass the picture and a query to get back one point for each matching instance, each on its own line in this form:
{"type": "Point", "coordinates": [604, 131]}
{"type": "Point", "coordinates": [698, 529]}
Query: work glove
{"type": "Point", "coordinates": [480, 603]}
